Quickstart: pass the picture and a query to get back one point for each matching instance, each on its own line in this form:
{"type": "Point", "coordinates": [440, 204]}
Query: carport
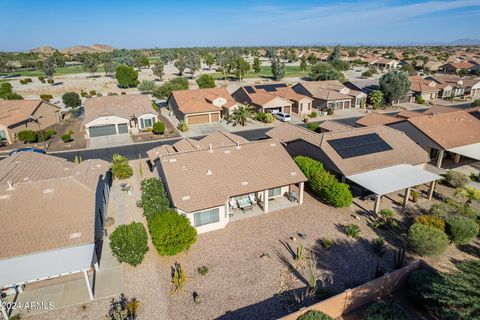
{"type": "Point", "coordinates": [395, 178]}
{"type": "Point", "coordinates": [470, 151]}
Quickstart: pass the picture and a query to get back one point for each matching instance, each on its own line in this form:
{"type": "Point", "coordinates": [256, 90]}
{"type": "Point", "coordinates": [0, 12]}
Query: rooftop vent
{"type": "Point", "coordinates": [25, 179]}
{"type": "Point", "coordinates": [238, 144]}
{"type": "Point", "coordinates": [10, 185]}
{"type": "Point", "coordinates": [228, 151]}
{"type": "Point", "coordinates": [48, 190]}
{"type": "Point", "coordinates": [209, 172]}
{"type": "Point", "coordinates": [210, 149]}
{"type": "Point", "coordinates": [244, 183]}
{"type": "Point", "coordinates": [187, 197]}
{"type": "Point", "coordinates": [4, 197]}
{"type": "Point", "coordinates": [293, 173]}
{"type": "Point", "coordinates": [272, 144]}
{"type": "Point", "coordinates": [75, 235]}
{"type": "Point", "coordinates": [172, 160]}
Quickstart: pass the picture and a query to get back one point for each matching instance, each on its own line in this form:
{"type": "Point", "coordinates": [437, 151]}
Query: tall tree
{"type": "Point", "coordinates": [394, 85]}
{"type": "Point", "coordinates": [256, 64]}
{"type": "Point", "coordinates": [335, 55]}
{"type": "Point", "coordinates": [325, 71]}
{"type": "Point", "coordinates": [180, 64]}
{"type": "Point", "coordinates": [127, 77]}
{"type": "Point", "coordinates": [240, 68]}
{"type": "Point", "coordinates": [206, 81]}
{"type": "Point", "coordinates": [193, 63]}
{"type": "Point", "coordinates": [241, 114]}
{"type": "Point", "coordinates": [312, 59]}
{"type": "Point", "coordinates": [303, 63]}
{"type": "Point", "coordinates": [278, 69]}
{"type": "Point", "coordinates": [157, 69]}
{"type": "Point", "coordinates": [376, 99]}
{"type": "Point", "coordinates": [49, 67]}
{"type": "Point", "coordinates": [146, 86]}
{"type": "Point", "coordinates": [209, 61]}
{"type": "Point", "coordinates": [90, 65]}
{"type": "Point", "coordinates": [109, 66]}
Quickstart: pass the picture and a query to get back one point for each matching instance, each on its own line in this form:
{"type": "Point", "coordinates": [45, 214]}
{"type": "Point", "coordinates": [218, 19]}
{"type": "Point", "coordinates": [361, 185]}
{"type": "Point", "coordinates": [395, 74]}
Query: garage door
{"type": "Point", "coordinates": [105, 130]}
{"type": "Point", "coordinates": [123, 128]}
{"type": "Point", "coordinates": [198, 119]}
{"type": "Point", "coordinates": [215, 117]}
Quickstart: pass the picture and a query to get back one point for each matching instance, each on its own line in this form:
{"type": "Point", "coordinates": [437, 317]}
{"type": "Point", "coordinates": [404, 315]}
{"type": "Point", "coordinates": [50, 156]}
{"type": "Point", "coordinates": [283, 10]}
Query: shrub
{"type": "Point", "coordinates": [126, 76]}
{"type": "Point", "coordinates": [158, 128]}
{"type": "Point", "coordinates": [431, 221]}
{"type": "Point", "coordinates": [419, 100]}
{"type": "Point", "coordinates": [338, 195]}
{"type": "Point", "coordinates": [71, 100]}
{"type": "Point", "coordinates": [154, 197]}
{"type": "Point", "coordinates": [183, 126]}
{"type": "Point", "coordinates": [92, 92]}
{"type": "Point", "coordinates": [461, 230]}
{"type": "Point", "coordinates": [327, 243]}
{"type": "Point", "coordinates": [352, 230]}
{"type": "Point", "coordinates": [23, 81]}
{"type": "Point", "coordinates": [313, 126]}
{"type": "Point", "coordinates": [129, 243]}
{"type": "Point", "coordinates": [83, 94]}
{"type": "Point", "coordinates": [313, 114]}
{"type": "Point", "coordinates": [171, 232]}
{"type": "Point", "coordinates": [451, 207]}
{"type": "Point", "coordinates": [45, 135]}
{"type": "Point", "coordinates": [457, 179]}
{"type": "Point", "coordinates": [27, 136]}
{"type": "Point", "coordinates": [50, 81]}
{"type": "Point", "coordinates": [419, 282]}
{"type": "Point", "coordinates": [378, 246]}
{"type": "Point", "coordinates": [386, 310]}
{"type": "Point", "coordinates": [203, 270]}
{"type": "Point", "coordinates": [265, 117]}
{"type": "Point", "coordinates": [42, 79]}
{"type": "Point", "coordinates": [320, 180]}
{"type": "Point", "coordinates": [314, 315]}
{"type": "Point", "coordinates": [206, 81]}
{"type": "Point", "coordinates": [427, 241]}
{"type": "Point", "coordinates": [120, 167]}
{"type": "Point", "coordinates": [46, 97]}
{"type": "Point", "coordinates": [66, 137]}
{"type": "Point", "coordinates": [476, 103]}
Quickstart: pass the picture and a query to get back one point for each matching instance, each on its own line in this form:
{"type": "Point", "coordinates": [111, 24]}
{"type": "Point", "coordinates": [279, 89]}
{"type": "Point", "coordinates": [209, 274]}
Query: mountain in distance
{"type": "Point", "coordinates": [47, 50]}
{"type": "Point", "coordinates": [465, 42]}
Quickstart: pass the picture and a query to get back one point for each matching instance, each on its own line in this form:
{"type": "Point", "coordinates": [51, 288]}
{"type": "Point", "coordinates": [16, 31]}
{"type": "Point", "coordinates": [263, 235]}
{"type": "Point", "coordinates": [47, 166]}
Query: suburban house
{"type": "Point", "coordinates": [456, 133]}
{"type": "Point", "coordinates": [379, 159]}
{"type": "Point", "coordinates": [274, 97]}
{"type": "Point", "coordinates": [384, 63]}
{"type": "Point", "coordinates": [424, 88]}
{"type": "Point", "coordinates": [52, 220]}
{"type": "Point", "coordinates": [374, 119]}
{"type": "Point", "coordinates": [455, 86]}
{"type": "Point", "coordinates": [123, 114]}
{"type": "Point", "coordinates": [223, 177]}
{"type": "Point", "coordinates": [330, 125]}
{"type": "Point", "coordinates": [201, 106]}
{"type": "Point", "coordinates": [19, 115]}
{"type": "Point", "coordinates": [456, 67]}
{"type": "Point", "coordinates": [365, 85]}
{"type": "Point", "coordinates": [331, 94]}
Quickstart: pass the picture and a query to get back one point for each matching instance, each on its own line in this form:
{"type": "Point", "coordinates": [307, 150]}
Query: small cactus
{"type": "Point", "coordinates": [399, 258]}
{"type": "Point", "coordinates": [299, 255]}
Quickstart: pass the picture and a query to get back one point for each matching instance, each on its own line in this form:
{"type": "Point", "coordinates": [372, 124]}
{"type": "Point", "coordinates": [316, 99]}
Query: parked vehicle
{"type": "Point", "coordinates": [14, 152]}
{"type": "Point", "coordinates": [283, 116]}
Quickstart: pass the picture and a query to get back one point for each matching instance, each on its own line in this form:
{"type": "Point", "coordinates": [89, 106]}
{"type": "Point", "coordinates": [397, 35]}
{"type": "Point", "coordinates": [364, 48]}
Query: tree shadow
{"type": "Point", "coordinates": [472, 249]}
{"type": "Point", "coordinates": [289, 265]}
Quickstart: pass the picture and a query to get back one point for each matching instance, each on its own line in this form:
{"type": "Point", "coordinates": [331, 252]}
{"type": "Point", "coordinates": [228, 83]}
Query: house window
{"type": "Point", "coordinates": [3, 135]}
{"type": "Point", "coordinates": [147, 123]}
{"type": "Point", "coordinates": [206, 217]}
{"type": "Point", "coordinates": [275, 192]}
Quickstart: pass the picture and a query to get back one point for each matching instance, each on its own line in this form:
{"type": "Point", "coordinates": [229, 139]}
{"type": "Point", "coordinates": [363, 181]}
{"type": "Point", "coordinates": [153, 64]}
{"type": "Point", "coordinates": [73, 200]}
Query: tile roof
{"type": "Point", "coordinates": [374, 118]}
{"type": "Point", "coordinates": [326, 90]}
{"type": "Point", "coordinates": [419, 84]}
{"type": "Point", "coordinates": [404, 150]}
{"type": "Point", "coordinates": [124, 106]}
{"type": "Point", "coordinates": [201, 100]}
{"type": "Point", "coordinates": [215, 139]}
{"type": "Point", "coordinates": [461, 65]}
{"type": "Point", "coordinates": [331, 125]}
{"type": "Point", "coordinates": [450, 129]}
{"type": "Point", "coordinates": [46, 202]}
{"type": "Point", "coordinates": [15, 111]}
{"type": "Point", "coordinates": [206, 178]}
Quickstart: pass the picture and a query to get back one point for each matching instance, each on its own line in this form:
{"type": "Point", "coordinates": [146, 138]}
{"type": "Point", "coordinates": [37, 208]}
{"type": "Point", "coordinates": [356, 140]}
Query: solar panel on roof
{"type": "Point", "coordinates": [271, 87]}
{"type": "Point", "coordinates": [360, 145]}
{"type": "Point", "coordinates": [250, 89]}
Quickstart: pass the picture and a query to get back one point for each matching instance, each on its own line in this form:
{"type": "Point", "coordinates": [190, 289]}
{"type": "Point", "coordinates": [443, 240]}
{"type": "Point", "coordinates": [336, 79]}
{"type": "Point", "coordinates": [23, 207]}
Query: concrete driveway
{"type": "Point", "coordinates": [109, 141]}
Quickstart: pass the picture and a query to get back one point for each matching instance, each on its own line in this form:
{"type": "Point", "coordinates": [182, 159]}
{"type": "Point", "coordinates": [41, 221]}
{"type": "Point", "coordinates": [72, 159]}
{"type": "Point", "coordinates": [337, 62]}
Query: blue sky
{"type": "Point", "coordinates": [25, 24]}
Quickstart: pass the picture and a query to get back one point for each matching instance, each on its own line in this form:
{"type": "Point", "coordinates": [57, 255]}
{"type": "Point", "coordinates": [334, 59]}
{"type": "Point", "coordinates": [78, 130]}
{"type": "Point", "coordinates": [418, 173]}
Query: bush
{"type": "Point", "coordinates": [476, 103]}
{"type": "Point", "coordinates": [126, 76]}
{"type": "Point", "coordinates": [431, 221]}
{"type": "Point", "coordinates": [158, 128]}
{"type": "Point", "coordinates": [42, 79]}
{"type": "Point", "coordinates": [206, 81]}
{"type": "Point", "coordinates": [154, 198]}
{"type": "Point", "coordinates": [129, 243]}
{"type": "Point", "coordinates": [320, 181]}
{"type": "Point", "coordinates": [27, 136]}
{"type": "Point", "coordinates": [45, 135]}
{"type": "Point", "coordinates": [314, 315]}
{"type": "Point", "coordinates": [456, 179]}
{"type": "Point", "coordinates": [451, 207]}
{"type": "Point", "coordinates": [120, 167]}
{"type": "Point", "coordinates": [171, 232]}
{"type": "Point", "coordinates": [50, 81]}
{"type": "Point", "coordinates": [461, 230]}
{"type": "Point", "coordinates": [308, 165]}
{"type": "Point", "coordinates": [313, 114]}
{"type": "Point", "coordinates": [183, 126]}
{"type": "Point", "coordinates": [203, 270]}
{"type": "Point", "coordinates": [46, 97]}
{"type": "Point", "coordinates": [313, 126]}
{"type": "Point", "coordinates": [92, 92]}
{"type": "Point", "coordinates": [427, 241]}
{"type": "Point", "coordinates": [338, 195]}
{"type": "Point", "coordinates": [419, 100]}
{"type": "Point", "coordinates": [83, 94]}
{"type": "Point", "coordinates": [265, 117]}
{"type": "Point", "coordinates": [386, 310]}
{"type": "Point", "coordinates": [352, 230]}
{"type": "Point", "coordinates": [66, 137]}
{"type": "Point", "coordinates": [419, 282]}
{"type": "Point", "coordinates": [71, 100]}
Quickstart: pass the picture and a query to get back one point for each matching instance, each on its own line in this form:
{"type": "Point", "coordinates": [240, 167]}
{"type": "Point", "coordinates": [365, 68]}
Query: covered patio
{"type": "Point", "coordinates": [395, 178]}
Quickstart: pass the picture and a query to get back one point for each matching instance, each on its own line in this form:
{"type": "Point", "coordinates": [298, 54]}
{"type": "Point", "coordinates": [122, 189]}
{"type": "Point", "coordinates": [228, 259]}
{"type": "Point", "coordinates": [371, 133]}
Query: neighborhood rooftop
{"type": "Point", "coordinates": [124, 106]}
{"type": "Point", "coordinates": [15, 111]}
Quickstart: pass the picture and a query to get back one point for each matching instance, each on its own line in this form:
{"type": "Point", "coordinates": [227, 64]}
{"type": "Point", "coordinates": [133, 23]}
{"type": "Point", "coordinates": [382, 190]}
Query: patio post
{"type": "Point", "coordinates": [89, 286]}
{"type": "Point", "coordinates": [406, 197]}
{"type": "Point", "coordinates": [440, 158]}
{"type": "Point", "coordinates": [457, 158]}
{"type": "Point", "coordinates": [265, 201]}
{"type": "Point", "coordinates": [4, 311]}
{"type": "Point", "coordinates": [300, 196]}
{"type": "Point", "coordinates": [376, 204]}
{"type": "Point", "coordinates": [431, 190]}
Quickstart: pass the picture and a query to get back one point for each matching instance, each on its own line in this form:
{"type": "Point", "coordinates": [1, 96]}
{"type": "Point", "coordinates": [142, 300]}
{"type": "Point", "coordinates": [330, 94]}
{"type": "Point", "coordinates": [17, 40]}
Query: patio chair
{"type": "Point", "coordinates": [245, 204]}
{"type": "Point", "coordinates": [292, 196]}
{"type": "Point", "coordinates": [252, 199]}
{"type": "Point", "coordinates": [232, 204]}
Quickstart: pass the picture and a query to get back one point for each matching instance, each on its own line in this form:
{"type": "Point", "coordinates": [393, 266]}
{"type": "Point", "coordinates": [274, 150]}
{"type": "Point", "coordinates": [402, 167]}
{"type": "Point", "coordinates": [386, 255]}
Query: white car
{"type": "Point", "coordinates": [283, 116]}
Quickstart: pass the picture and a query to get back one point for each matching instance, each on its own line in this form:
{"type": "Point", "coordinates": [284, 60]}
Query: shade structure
{"type": "Point", "coordinates": [469, 151]}
{"type": "Point", "coordinates": [393, 178]}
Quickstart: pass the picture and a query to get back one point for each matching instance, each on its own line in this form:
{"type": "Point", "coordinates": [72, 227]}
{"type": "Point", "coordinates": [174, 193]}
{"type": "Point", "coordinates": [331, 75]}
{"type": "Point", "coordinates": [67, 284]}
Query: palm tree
{"type": "Point", "coordinates": [241, 114]}
{"type": "Point", "coordinates": [470, 193]}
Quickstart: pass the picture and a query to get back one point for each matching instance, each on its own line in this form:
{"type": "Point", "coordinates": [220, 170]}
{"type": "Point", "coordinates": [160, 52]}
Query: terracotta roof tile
{"type": "Point", "coordinates": [15, 111]}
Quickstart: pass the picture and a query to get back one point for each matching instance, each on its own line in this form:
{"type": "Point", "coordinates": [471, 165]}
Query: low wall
{"type": "Point", "coordinates": [352, 299]}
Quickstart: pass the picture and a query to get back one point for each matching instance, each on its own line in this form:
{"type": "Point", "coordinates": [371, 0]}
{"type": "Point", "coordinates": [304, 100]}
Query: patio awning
{"type": "Point", "coordinates": [469, 151]}
{"type": "Point", "coordinates": [394, 178]}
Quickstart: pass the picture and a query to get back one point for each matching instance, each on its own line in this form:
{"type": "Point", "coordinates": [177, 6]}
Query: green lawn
{"type": "Point", "coordinates": [266, 72]}
{"type": "Point", "coordinates": [59, 72]}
